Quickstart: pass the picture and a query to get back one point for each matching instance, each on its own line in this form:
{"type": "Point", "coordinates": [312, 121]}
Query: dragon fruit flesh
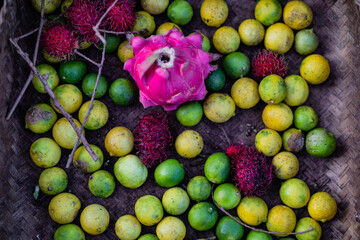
{"type": "Point", "coordinates": [170, 69]}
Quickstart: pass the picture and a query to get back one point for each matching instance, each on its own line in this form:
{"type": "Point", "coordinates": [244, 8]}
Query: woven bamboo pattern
{"type": "Point", "coordinates": [336, 22]}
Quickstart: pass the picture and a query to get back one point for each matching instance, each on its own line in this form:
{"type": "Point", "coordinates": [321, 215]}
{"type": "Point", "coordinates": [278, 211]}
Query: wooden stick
{"type": "Point", "coordinates": [124, 32]}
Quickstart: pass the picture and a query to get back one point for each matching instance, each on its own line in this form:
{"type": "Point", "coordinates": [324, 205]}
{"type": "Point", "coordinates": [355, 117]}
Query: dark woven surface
{"type": "Point", "coordinates": [336, 101]}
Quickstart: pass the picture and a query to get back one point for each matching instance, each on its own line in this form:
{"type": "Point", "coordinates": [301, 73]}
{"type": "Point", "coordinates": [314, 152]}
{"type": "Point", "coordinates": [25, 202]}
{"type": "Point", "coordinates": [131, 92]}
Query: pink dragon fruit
{"type": "Point", "coordinates": [170, 69]}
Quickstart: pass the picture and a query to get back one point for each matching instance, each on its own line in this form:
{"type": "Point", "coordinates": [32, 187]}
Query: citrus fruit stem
{"type": "Point", "coordinates": [252, 228]}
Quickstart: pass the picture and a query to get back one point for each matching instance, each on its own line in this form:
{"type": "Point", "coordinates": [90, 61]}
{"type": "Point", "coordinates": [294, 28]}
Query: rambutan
{"type": "Point", "coordinates": [122, 16]}
{"type": "Point", "coordinates": [58, 41]}
{"type": "Point", "coordinates": [252, 171]}
{"type": "Point", "coordinates": [83, 15]}
{"type": "Point", "coordinates": [267, 62]}
{"type": "Point", "coordinates": [152, 138]}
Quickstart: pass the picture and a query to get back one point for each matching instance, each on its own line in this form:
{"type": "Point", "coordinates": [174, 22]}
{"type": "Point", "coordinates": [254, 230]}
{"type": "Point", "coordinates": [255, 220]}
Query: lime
{"type": "Point", "coordinates": [148, 210]}
{"type": "Point", "coordinates": [268, 12]}
{"type": "Point", "coordinates": [69, 231]}
{"type": "Point", "coordinates": [52, 80]}
{"type": "Point", "coordinates": [227, 196]}
{"type": "Point", "coordinates": [189, 144]}
{"type": "Point", "coordinates": [171, 228]}
{"type": "Point", "coordinates": [50, 58]}
{"type": "Point", "coordinates": [144, 21]}
{"type": "Point", "coordinates": [72, 71]}
{"type": "Point", "coordinates": [189, 114]}
{"type": "Point", "coordinates": [214, 12]}
{"type": "Point", "coordinates": [255, 235]}
{"type": "Point", "coordinates": [217, 168]}
{"type": "Point", "coordinates": [112, 43]}
{"type": "Point", "coordinates": [322, 207]}
{"type": "Point", "coordinates": [226, 40]}
{"type": "Point", "coordinates": [306, 41]}
{"type": "Point", "coordinates": [65, 4]}
{"type": "Point", "coordinates": [125, 51]}
{"type": "Point", "coordinates": [169, 173]}
{"type": "Point", "coordinates": [175, 201]}
{"type": "Point", "coordinates": [49, 5]}
{"type": "Point", "coordinates": [281, 219]}
{"type": "Point", "coordinates": [199, 188]}
{"type": "Point", "coordinates": [148, 236]}
{"type": "Point", "coordinates": [245, 93]}
{"type": "Point", "coordinates": [154, 7]}
{"type": "Point", "coordinates": [164, 28]}
{"type": "Point", "coordinates": [320, 143]}
{"type": "Point", "coordinates": [180, 12]}
{"type": "Point", "coordinates": [219, 107]}
{"type": "Point", "coordinates": [251, 32]}
{"type": "Point", "coordinates": [64, 207]}
{"type": "Point", "coordinates": [227, 228]}
{"type": "Point", "coordinates": [315, 69]}
{"type": "Point", "coordinates": [98, 115]}
{"type": "Point", "coordinates": [279, 38]}
{"type": "Point", "coordinates": [297, 15]}
{"type": "Point", "coordinates": [272, 89]}
{"type": "Point", "coordinates": [84, 45]}
{"type": "Point", "coordinates": [45, 152]}
{"type": "Point", "coordinates": [123, 92]}
{"type": "Point", "coordinates": [69, 96]}
{"type": "Point", "coordinates": [64, 134]}
{"type": "Point", "coordinates": [101, 184]}
{"type": "Point", "coordinates": [297, 90]}
{"type": "Point", "coordinates": [53, 181]}
{"type": "Point", "coordinates": [119, 141]}
{"type": "Point", "coordinates": [236, 65]}
{"type": "Point", "coordinates": [305, 118]}
{"type": "Point", "coordinates": [84, 162]}
{"type": "Point", "coordinates": [215, 81]}
{"type": "Point", "coordinates": [295, 193]}
{"type": "Point", "coordinates": [252, 210]}
{"type": "Point", "coordinates": [130, 171]}
{"type": "Point", "coordinates": [278, 117]}
{"type": "Point", "coordinates": [94, 219]}
{"type": "Point", "coordinates": [293, 140]}
{"type": "Point", "coordinates": [306, 223]}
{"type": "Point", "coordinates": [40, 118]}
{"type": "Point", "coordinates": [89, 82]}
{"type": "Point", "coordinates": [127, 227]}
{"type": "Point", "coordinates": [205, 45]}
{"type": "Point", "coordinates": [203, 216]}
{"type": "Point", "coordinates": [286, 165]}
{"type": "Point", "coordinates": [268, 142]}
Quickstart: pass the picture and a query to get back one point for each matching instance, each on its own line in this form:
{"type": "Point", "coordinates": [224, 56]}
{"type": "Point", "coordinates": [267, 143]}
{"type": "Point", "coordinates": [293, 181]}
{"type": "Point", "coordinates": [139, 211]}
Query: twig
{"type": "Point", "coordinates": [250, 227]}
{"type": "Point", "coordinates": [143, 31]}
{"type": "Point", "coordinates": [86, 58]}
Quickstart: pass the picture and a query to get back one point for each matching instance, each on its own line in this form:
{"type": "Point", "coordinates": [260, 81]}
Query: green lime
{"type": "Point", "coordinates": [101, 183]}
{"type": "Point", "coordinates": [236, 65]}
{"type": "Point", "coordinates": [180, 12]}
{"type": "Point", "coordinates": [69, 96]}
{"type": "Point", "coordinates": [45, 152]}
{"type": "Point", "coordinates": [255, 235]}
{"type": "Point", "coordinates": [272, 89]}
{"type": "Point", "coordinates": [72, 71]}
{"type": "Point", "coordinates": [203, 216]}
{"type": "Point", "coordinates": [169, 173]}
{"type": "Point", "coordinates": [305, 118]}
{"type": "Point", "coordinates": [227, 228]}
{"type": "Point", "coordinates": [148, 236]}
{"type": "Point", "coordinates": [84, 162]}
{"type": "Point", "coordinates": [268, 12]}
{"type": "Point", "coordinates": [88, 85]}
{"type": "Point", "coordinates": [52, 80]}
{"type": "Point", "coordinates": [217, 168]}
{"type": "Point", "coordinates": [227, 196]}
{"type": "Point", "coordinates": [123, 92]}
{"type": "Point", "coordinates": [69, 231]}
{"type": "Point", "coordinates": [40, 118]}
{"type": "Point", "coordinates": [215, 82]}
{"type": "Point", "coordinates": [130, 171]}
{"type": "Point", "coordinates": [306, 223]}
{"type": "Point", "coordinates": [320, 143]}
{"type": "Point", "coordinates": [189, 114]}
{"type": "Point", "coordinates": [297, 90]}
{"type": "Point", "coordinates": [112, 43]}
{"type": "Point", "coordinates": [175, 201]}
{"type": "Point", "coordinates": [148, 210]}
{"type": "Point", "coordinates": [293, 140]}
{"type": "Point", "coordinates": [53, 181]}
{"type": "Point", "coordinates": [294, 193]}
{"type": "Point", "coordinates": [306, 41]}
{"type": "Point", "coordinates": [199, 188]}
{"type": "Point", "coordinates": [205, 42]}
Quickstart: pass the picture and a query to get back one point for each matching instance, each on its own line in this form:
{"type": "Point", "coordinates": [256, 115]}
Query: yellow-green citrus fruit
{"type": "Point", "coordinates": [322, 207]}
{"type": "Point", "coordinates": [281, 219]}
{"type": "Point", "coordinates": [219, 107]}
{"type": "Point", "coordinates": [214, 12]}
{"type": "Point", "coordinates": [89, 82]}
{"type": "Point", "coordinates": [127, 227]}
{"type": "Point", "coordinates": [69, 231]}
{"type": "Point", "coordinates": [293, 140]}
{"type": "Point", "coordinates": [94, 219]}
{"type": "Point", "coordinates": [217, 168]}
{"type": "Point", "coordinates": [278, 117]}
{"type": "Point", "coordinates": [98, 115]}
{"type": "Point", "coordinates": [148, 236]}
{"type": "Point", "coordinates": [154, 7]}
{"type": "Point", "coordinates": [306, 41]}
{"type": "Point", "coordinates": [320, 143]}
{"type": "Point", "coordinates": [125, 51]}
{"type": "Point", "coordinates": [69, 96]}
{"type": "Point", "coordinates": [119, 141]}
{"type": "Point", "coordinates": [272, 89]}
{"type": "Point", "coordinates": [49, 5]}
{"type": "Point", "coordinates": [130, 171]}
{"type": "Point", "coordinates": [305, 224]}
{"type": "Point", "coordinates": [297, 15]}
{"type": "Point", "coordinates": [45, 152]}
{"type": "Point", "coordinates": [228, 228]}
{"type": "Point", "coordinates": [286, 165]}
{"type": "Point", "coordinates": [255, 235]}
{"type": "Point", "coordinates": [268, 142]}
{"type": "Point", "coordinates": [189, 144]}
{"type": "Point", "coordinates": [297, 90]}
{"type": "Point", "coordinates": [199, 188]}
{"type": "Point", "coordinates": [315, 69]}
{"type": "Point", "coordinates": [169, 173]}
{"type": "Point", "coordinates": [148, 210]}
{"type": "Point", "coordinates": [40, 118]}
{"type": "Point", "coordinates": [190, 113]}
{"type": "Point", "coordinates": [305, 118]}
{"type": "Point", "coordinates": [53, 181]}
{"type": "Point", "coordinates": [252, 210]}
{"type": "Point", "coordinates": [295, 193]}
{"type": "Point", "coordinates": [268, 12]}
{"type": "Point", "coordinates": [52, 80]}
{"type": "Point", "coordinates": [251, 32]}
{"type": "Point", "coordinates": [101, 184]}
{"type": "Point", "coordinates": [180, 12]}
{"type": "Point", "coordinates": [51, 59]}
{"type": "Point", "coordinates": [227, 196]}
{"type": "Point", "coordinates": [202, 216]}
{"type": "Point", "coordinates": [175, 201]}
{"type": "Point", "coordinates": [64, 134]}
{"type": "Point", "coordinates": [245, 93]}
{"type": "Point", "coordinates": [84, 162]}
{"type": "Point", "coordinates": [64, 207]}
{"type": "Point", "coordinates": [279, 38]}
{"type": "Point", "coordinates": [164, 28]}
{"type": "Point", "coordinates": [72, 71]}
{"type": "Point", "coordinates": [144, 21]}
{"type": "Point", "coordinates": [226, 40]}
{"type": "Point", "coordinates": [171, 228]}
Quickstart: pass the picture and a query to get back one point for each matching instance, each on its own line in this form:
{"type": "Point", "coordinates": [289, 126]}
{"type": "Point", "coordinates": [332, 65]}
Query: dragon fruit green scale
{"type": "Point", "coordinates": [170, 69]}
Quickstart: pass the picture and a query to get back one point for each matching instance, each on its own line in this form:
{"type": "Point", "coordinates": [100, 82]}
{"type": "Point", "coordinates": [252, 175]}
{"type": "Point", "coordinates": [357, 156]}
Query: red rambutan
{"type": "Point", "coordinates": [252, 171]}
{"type": "Point", "coordinates": [152, 138]}
{"type": "Point", "coordinates": [58, 41]}
{"type": "Point", "coordinates": [83, 15]}
{"type": "Point", "coordinates": [267, 62]}
{"type": "Point", "coordinates": [122, 16]}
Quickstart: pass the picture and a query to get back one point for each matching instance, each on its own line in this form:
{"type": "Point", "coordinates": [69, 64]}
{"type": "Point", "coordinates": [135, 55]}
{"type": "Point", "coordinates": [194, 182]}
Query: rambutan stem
{"type": "Point", "coordinates": [250, 227]}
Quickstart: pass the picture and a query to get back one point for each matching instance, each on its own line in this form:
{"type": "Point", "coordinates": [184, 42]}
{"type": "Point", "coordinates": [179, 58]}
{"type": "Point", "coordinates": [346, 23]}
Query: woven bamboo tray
{"type": "Point", "coordinates": [337, 24]}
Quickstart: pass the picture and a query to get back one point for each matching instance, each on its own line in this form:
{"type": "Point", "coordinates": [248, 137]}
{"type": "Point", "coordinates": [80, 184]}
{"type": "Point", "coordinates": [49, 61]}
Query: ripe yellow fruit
{"type": "Point", "coordinates": [279, 38]}
{"type": "Point", "coordinates": [245, 93]}
{"type": "Point", "coordinates": [214, 12]}
{"type": "Point", "coordinates": [322, 207]}
{"type": "Point", "coordinates": [119, 141]}
{"type": "Point", "coordinates": [297, 15]}
{"type": "Point", "coordinates": [278, 117]}
{"type": "Point", "coordinates": [189, 144]}
{"type": "Point", "coordinates": [315, 69]}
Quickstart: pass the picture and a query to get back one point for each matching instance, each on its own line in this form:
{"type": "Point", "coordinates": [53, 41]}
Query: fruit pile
{"type": "Point", "coordinates": [178, 74]}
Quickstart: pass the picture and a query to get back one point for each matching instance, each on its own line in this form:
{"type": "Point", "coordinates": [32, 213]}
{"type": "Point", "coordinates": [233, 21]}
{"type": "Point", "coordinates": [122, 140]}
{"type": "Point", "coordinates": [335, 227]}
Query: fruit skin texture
{"type": "Point", "coordinates": [295, 193]}
{"type": "Point", "coordinates": [171, 228]}
{"type": "Point", "coordinates": [272, 89]}
{"type": "Point", "coordinates": [293, 140]}
{"type": "Point", "coordinates": [98, 115]}
{"type": "Point", "coordinates": [322, 207]}
{"type": "Point", "coordinates": [251, 32]}
{"type": "Point", "coordinates": [281, 219]}
{"type": "Point", "coordinates": [64, 207]}
{"type": "Point", "coordinates": [278, 117]}
{"type": "Point", "coordinates": [268, 12]}
{"type": "Point", "coordinates": [203, 216]}
{"type": "Point", "coordinates": [267, 62]}
{"type": "Point", "coordinates": [279, 38]}
{"type": "Point", "coordinates": [119, 141]}
{"type": "Point", "coordinates": [297, 90]}
{"type": "Point", "coordinates": [125, 51]}
{"type": "Point", "coordinates": [84, 162]}
{"type": "Point", "coordinates": [199, 188]}
{"type": "Point", "coordinates": [154, 7]}
{"type": "Point", "coordinates": [286, 165]}
{"type": "Point", "coordinates": [130, 171]}
{"type": "Point", "coordinates": [245, 93]}
{"type": "Point", "coordinates": [252, 210]}
{"type": "Point", "coordinates": [214, 12]}
{"type": "Point", "coordinates": [53, 181]}
{"type": "Point", "coordinates": [148, 210]}
{"type": "Point", "coordinates": [127, 227]}
{"type": "Point", "coordinates": [40, 118]}
{"type": "Point", "coordinates": [64, 134]}
{"type": "Point", "coordinates": [305, 224]}
{"type": "Point", "coordinates": [69, 96]}
{"type": "Point", "coordinates": [94, 219]}
{"type": "Point", "coordinates": [227, 228]}
{"type": "Point", "coordinates": [226, 40]}
{"type": "Point", "coordinates": [169, 173]}
{"type": "Point", "coordinates": [89, 82]}
{"type": "Point", "coordinates": [268, 142]}
{"type": "Point", "coordinates": [297, 15]}
{"type": "Point", "coordinates": [320, 143]}
{"type": "Point", "coordinates": [190, 113]}
{"type": "Point", "coordinates": [53, 79]}
{"type": "Point", "coordinates": [255, 235]}
{"type": "Point", "coordinates": [189, 144]}
{"type": "Point", "coordinates": [45, 152]}
{"type": "Point", "coordinates": [219, 107]}
{"type": "Point", "coordinates": [49, 5]}
{"type": "Point", "coordinates": [216, 80]}
{"type": "Point", "coordinates": [315, 69]}
{"type": "Point", "coordinates": [69, 231]}
{"type": "Point", "coordinates": [148, 236]}
{"type": "Point", "coordinates": [217, 168]}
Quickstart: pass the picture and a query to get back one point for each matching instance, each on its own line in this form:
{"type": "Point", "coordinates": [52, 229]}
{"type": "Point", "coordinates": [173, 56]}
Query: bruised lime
{"type": "Point", "coordinates": [40, 118]}
{"type": "Point", "coordinates": [84, 162]}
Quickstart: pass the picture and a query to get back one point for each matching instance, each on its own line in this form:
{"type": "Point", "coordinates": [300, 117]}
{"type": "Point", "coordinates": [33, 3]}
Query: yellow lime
{"type": "Point", "coordinates": [286, 165]}
{"type": "Point", "coordinates": [130, 171]}
{"type": "Point", "coordinates": [94, 219]}
{"type": "Point", "coordinates": [293, 139]}
{"type": "Point", "coordinates": [84, 162]}
{"type": "Point", "coordinates": [45, 152]}
{"type": "Point", "coordinates": [315, 69]}
{"type": "Point", "coordinates": [297, 15]}
{"type": "Point", "coordinates": [119, 141]}
{"type": "Point", "coordinates": [49, 5]}
{"type": "Point", "coordinates": [268, 142]}
{"type": "Point", "coordinates": [295, 193]}
{"type": "Point", "coordinates": [64, 134]}
{"type": "Point", "coordinates": [214, 12]}
{"type": "Point", "coordinates": [127, 227]}
{"type": "Point", "coordinates": [125, 51]}
{"type": "Point", "coordinates": [297, 90]}
{"type": "Point", "coordinates": [63, 208]}
{"type": "Point", "coordinates": [144, 21]}
{"type": "Point", "coordinates": [154, 7]}
{"type": "Point", "coordinates": [245, 93]}
{"type": "Point", "coordinates": [281, 219]}
{"type": "Point", "coordinates": [53, 181]}
{"type": "Point", "coordinates": [171, 228]}
{"type": "Point", "coordinates": [252, 210]}
{"type": "Point", "coordinates": [278, 117]}
{"type": "Point", "coordinates": [52, 80]}
{"type": "Point", "coordinates": [164, 28]}
{"type": "Point", "coordinates": [268, 12]}
{"type": "Point", "coordinates": [98, 115]}
{"type": "Point", "coordinates": [175, 201]}
{"type": "Point", "coordinates": [226, 40]}
{"type": "Point", "coordinates": [189, 144]}
{"type": "Point", "coordinates": [279, 38]}
{"type": "Point", "coordinates": [69, 231]}
{"type": "Point", "coordinates": [272, 89]}
{"type": "Point", "coordinates": [40, 118]}
{"type": "Point", "coordinates": [219, 107]}
{"type": "Point", "coordinates": [148, 210]}
{"type": "Point", "coordinates": [69, 96]}
{"type": "Point", "coordinates": [322, 207]}
{"type": "Point", "coordinates": [251, 32]}
{"type": "Point", "coordinates": [305, 224]}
